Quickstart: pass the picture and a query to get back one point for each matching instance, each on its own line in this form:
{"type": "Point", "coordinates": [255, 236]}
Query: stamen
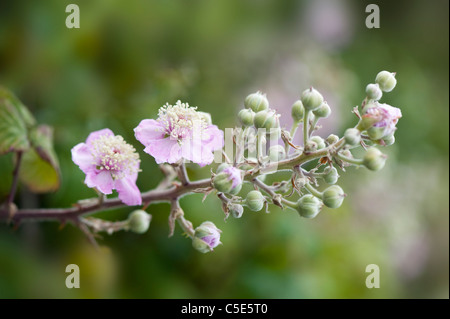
{"type": "Point", "coordinates": [180, 120]}
{"type": "Point", "coordinates": [113, 154]}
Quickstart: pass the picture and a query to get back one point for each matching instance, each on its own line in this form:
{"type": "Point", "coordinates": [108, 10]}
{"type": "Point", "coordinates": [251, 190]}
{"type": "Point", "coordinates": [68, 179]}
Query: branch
{"type": "Point", "coordinates": [156, 195]}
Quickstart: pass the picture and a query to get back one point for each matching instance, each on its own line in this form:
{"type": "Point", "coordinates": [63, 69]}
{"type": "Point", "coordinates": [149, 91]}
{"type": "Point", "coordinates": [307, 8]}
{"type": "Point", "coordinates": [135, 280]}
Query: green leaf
{"type": "Point", "coordinates": [39, 169]}
{"type": "Point", "coordinates": [15, 119]}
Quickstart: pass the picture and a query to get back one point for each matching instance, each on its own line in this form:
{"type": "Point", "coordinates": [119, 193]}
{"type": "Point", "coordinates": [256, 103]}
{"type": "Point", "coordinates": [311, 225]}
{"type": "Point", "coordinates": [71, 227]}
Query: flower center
{"type": "Point", "coordinates": [112, 153]}
{"type": "Point", "coordinates": [180, 120]}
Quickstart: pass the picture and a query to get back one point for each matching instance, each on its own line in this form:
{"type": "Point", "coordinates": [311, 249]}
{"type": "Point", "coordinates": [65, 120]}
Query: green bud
{"type": "Point", "coordinates": [255, 200]}
{"type": "Point", "coordinates": [139, 221]}
{"type": "Point", "coordinates": [222, 166]}
{"type": "Point", "coordinates": [368, 105]}
{"type": "Point", "coordinates": [257, 102]}
{"type": "Point", "coordinates": [311, 99]}
{"type": "Point", "coordinates": [222, 182]}
{"type": "Point", "coordinates": [309, 206]}
{"type": "Point", "coordinates": [277, 153]}
{"type": "Point", "coordinates": [333, 196]}
{"type": "Point", "coordinates": [200, 245]}
{"type": "Point", "coordinates": [331, 139]}
{"type": "Point", "coordinates": [236, 210]}
{"type": "Point", "coordinates": [352, 136]}
{"type": "Point", "coordinates": [245, 116]}
{"type": "Point", "coordinates": [386, 80]}
{"type": "Point", "coordinates": [206, 117]}
{"type": "Point", "coordinates": [310, 146]}
{"type": "Point", "coordinates": [319, 141]}
{"type": "Point", "coordinates": [206, 237]}
{"type": "Point", "coordinates": [374, 92]}
{"type": "Point", "coordinates": [297, 111]}
{"type": "Point", "coordinates": [265, 119]}
{"type": "Point", "coordinates": [323, 110]}
{"type": "Point", "coordinates": [374, 159]}
{"type": "Point", "coordinates": [389, 140]}
{"type": "Point", "coordinates": [331, 175]}
{"type": "Point", "coordinates": [375, 133]}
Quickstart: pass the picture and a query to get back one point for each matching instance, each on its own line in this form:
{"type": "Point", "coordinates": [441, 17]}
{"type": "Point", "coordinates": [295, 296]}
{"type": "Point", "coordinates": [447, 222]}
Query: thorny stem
{"type": "Point", "coordinates": [170, 194]}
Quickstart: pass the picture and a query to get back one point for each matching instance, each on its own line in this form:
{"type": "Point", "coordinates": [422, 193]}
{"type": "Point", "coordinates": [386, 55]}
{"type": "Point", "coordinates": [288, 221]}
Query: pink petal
{"type": "Point", "coordinates": [165, 150]}
{"type": "Point", "coordinates": [102, 180]}
{"type": "Point", "coordinates": [213, 138]}
{"type": "Point", "coordinates": [81, 155]}
{"type": "Point", "coordinates": [128, 191]}
{"type": "Point", "coordinates": [193, 150]}
{"type": "Point", "coordinates": [95, 135]}
{"type": "Point", "coordinates": [149, 130]}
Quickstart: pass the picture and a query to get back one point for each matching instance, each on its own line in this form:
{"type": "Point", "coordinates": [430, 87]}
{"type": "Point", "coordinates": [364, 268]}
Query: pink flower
{"type": "Point", "coordinates": [180, 132]}
{"type": "Point", "coordinates": [383, 116]}
{"type": "Point", "coordinates": [109, 163]}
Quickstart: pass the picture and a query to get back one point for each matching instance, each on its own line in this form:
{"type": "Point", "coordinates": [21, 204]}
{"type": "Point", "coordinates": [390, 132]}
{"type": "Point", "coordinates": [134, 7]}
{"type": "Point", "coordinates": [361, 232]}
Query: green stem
{"type": "Point", "coordinates": [313, 191]}
{"type": "Point", "coordinates": [354, 161]}
{"type": "Point", "coordinates": [305, 127]}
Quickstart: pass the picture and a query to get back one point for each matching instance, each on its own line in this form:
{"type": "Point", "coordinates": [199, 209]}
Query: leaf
{"type": "Point", "coordinates": [15, 119]}
{"type": "Point", "coordinates": [39, 169]}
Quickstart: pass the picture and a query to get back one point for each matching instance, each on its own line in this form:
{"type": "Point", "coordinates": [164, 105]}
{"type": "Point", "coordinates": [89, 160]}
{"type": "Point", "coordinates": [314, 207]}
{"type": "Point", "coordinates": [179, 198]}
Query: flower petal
{"type": "Point", "coordinates": [95, 135]}
{"type": "Point", "coordinates": [193, 150]}
{"type": "Point", "coordinates": [82, 156]}
{"type": "Point", "coordinates": [149, 130]}
{"type": "Point", "coordinates": [102, 180]}
{"type": "Point", "coordinates": [165, 150]}
{"type": "Point", "coordinates": [213, 137]}
{"type": "Point", "coordinates": [128, 191]}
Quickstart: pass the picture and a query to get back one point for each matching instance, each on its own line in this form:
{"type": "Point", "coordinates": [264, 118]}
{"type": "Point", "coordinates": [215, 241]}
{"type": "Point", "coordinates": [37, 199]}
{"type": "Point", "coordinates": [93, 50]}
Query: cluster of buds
{"type": "Point", "coordinates": [262, 146]}
{"type": "Point", "coordinates": [376, 126]}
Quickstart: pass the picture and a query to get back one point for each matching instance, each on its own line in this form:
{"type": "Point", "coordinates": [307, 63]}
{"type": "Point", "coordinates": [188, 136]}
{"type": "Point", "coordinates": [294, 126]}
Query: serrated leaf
{"type": "Point", "coordinates": [39, 169]}
{"type": "Point", "coordinates": [15, 119]}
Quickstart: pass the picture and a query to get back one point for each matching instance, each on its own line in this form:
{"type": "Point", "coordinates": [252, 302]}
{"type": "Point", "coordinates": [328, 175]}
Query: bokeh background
{"type": "Point", "coordinates": [130, 57]}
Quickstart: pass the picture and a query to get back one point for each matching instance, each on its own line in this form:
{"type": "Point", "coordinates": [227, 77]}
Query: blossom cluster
{"type": "Point", "coordinates": [182, 134]}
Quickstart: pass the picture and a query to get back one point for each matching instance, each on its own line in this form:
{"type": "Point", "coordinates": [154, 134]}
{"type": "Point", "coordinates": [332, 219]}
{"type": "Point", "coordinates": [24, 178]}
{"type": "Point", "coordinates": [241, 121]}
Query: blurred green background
{"type": "Point", "coordinates": [130, 57]}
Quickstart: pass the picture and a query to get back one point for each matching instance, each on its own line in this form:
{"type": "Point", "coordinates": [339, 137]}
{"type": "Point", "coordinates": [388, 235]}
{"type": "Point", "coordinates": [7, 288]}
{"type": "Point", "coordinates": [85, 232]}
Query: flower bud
{"type": "Point", "coordinates": [331, 175]}
{"type": "Point", "coordinates": [333, 196]}
{"type": "Point", "coordinates": [139, 221]}
{"type": "Point", "coordinates": [265, 119]}
{"type": "Point", "coordinates": [255, 200]}
{"type": "Point", "coordinates": [229, 180]}
{"type": "Point", "coordinates": [319, 141]}
{"type": "Point", "coordinates": [352, 136]}
{"type": "Point", "coordinates": [245, 116]}
{"type": "Point", "coordinates": [236, 210]}
{"type": "Point", "coordinates": [331, 139]}
{"type": "Point", "coordinates": [311, 99]}
{"type": "Point", "coordinates": [374, 159]}
{"type": "Point", "coordinates": [309, 206]}
{"type": "Point", "coordinates": [386, 80]}
{"type": "Point", "coordinates": [323, 110]}
{"type": "Point", "coordinates": [374, 92]}
{"type": "Point", "coordinates": [257, 102]}
{"type": "Point", "coordinates": [277, 153]}
{"type": "Point", "coordinates": [206, 237]}
{"type": "Point", "coordinates": [310, 146]}
{"type": "Point", "coordinates": [297, 111]}
{"type": "Point", "coordinates": [376, 133]}
{"type": "Point", "coordinates": [221, 167]}
{"type": "Point", "coordinates": [205, 116]}
{"type": "Point", "coordinates": [389, 140]}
